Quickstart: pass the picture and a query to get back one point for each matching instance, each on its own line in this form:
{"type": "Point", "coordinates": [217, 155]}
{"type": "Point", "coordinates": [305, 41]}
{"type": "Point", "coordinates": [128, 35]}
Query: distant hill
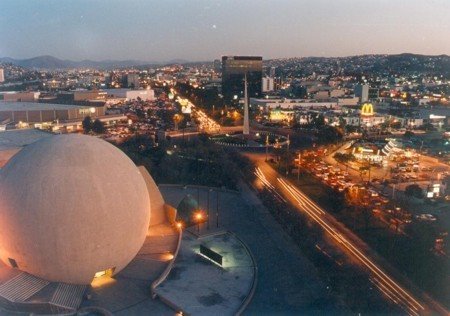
{"type": "Point", "coordinates": [400, 63]}
{"type": "Point", "coordinates": [50, 62]}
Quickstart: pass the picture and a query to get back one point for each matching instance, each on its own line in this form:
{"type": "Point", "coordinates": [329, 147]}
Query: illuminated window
{"type": "Point", "coordinates": [107, 272]}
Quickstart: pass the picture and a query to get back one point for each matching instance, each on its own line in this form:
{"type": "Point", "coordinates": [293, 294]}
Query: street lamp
{"type": "Point", "coordinates": [198, 217]}
{"type": "Point", "coordinates": [207, 208]}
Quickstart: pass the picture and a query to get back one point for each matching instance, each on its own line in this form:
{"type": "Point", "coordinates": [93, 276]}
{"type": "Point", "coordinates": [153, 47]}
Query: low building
{"type": "Point", "coordinates": [32, 113]}
{"type": "Point", "coordinates": [56, 117]}
{"type": "Point", "coordinates": [367, 117]}
{"type": "Point", "coordinates": [19, 96]}
{"type": "Point", "coordinates": [322, 95]}
{"type": "Point", "coordinates": [410, 122]}
{"type": "Point", "coordinates": [267, 104]}
{"type": "Point", "coordinates": [337, 93]}
{"type": "Point", "coordinates": [280, 115]}
{"type": "Point", "coordinates": [88, 95]}
{"type": "Point", "coordinates": [368, 152]}
{"type": "Point", "coordinates": [81, 97]}
{"type": "Point", "coordinates": [128, 95]}
{"type": "Point", "coordinates": [351, 101]}
{"type": "Point", "coordinates": [267, 84]}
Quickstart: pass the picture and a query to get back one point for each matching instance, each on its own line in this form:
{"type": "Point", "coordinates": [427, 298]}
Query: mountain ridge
{"type": "Point", "coordinates": [51, 62]}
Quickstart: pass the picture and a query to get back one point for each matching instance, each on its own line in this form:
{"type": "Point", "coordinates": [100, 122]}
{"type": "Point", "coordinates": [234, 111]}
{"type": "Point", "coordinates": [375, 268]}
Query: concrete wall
{"type": "Point", "coordinates": [156, 200]}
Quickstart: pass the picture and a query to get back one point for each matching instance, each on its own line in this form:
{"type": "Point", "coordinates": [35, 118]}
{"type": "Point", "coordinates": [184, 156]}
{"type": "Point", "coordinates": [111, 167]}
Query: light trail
{"type": "Point", "coordinates": [206, 123]}
{"type": "Point", "coordinates": [384, 283]}
{"type": "Point", "coordinates": [265, 182]}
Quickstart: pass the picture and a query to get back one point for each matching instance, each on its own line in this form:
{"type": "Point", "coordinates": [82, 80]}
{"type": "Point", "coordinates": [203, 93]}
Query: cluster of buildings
{"type": "Point", "coordinates": [285, 91]}
{"type": "Point", "coordinates": [65, 111]}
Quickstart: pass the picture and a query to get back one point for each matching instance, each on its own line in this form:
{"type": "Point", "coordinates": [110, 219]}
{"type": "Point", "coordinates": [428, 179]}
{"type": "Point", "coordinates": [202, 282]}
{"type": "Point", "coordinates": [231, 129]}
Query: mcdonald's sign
{"type": "Point", "coordinates": [367, 109]}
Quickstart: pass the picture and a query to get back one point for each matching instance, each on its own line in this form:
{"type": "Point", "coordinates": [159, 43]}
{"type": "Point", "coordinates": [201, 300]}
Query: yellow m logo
{"type": "Point", "coordinates": [367, 109]}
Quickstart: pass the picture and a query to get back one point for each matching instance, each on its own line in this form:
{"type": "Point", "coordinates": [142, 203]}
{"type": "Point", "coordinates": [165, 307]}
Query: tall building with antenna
{"type": "Point", "coordinates": [234, 68]}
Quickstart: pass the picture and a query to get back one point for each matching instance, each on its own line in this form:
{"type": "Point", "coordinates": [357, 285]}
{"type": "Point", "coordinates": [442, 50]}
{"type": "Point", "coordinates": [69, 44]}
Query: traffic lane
{"type": "Point", "coordinates": [272, 175]}
{"type": "Point", "coordinates": [390, 287]}
{"type": "Point", "coordinates": [385, 283]}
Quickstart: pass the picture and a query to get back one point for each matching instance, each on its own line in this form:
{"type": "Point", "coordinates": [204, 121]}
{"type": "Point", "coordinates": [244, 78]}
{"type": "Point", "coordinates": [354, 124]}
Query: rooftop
{"type": "Point", "coordinates": [20, 137]}
{"type": "Point", "coordinates": [34, 106]}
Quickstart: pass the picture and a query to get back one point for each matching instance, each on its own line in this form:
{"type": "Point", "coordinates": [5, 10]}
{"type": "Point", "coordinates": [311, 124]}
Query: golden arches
{"type": "Point", "coordinates": [367, 109]}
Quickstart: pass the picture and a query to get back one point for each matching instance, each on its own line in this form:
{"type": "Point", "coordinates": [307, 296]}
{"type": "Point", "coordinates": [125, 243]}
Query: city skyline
{"type": "Point", "coordinates": [221, 157]}
{"type": "Point", "coordinates": [155, 32]}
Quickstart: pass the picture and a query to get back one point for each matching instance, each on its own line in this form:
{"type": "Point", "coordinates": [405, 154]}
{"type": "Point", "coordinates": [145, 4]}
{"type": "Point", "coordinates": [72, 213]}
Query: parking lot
{"type": "Point", "coordinates": [381, 188]}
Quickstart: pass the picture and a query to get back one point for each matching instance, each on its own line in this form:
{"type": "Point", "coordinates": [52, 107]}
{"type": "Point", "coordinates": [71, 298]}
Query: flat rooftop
{"type": "Point", "coordinates": [12, 141]}
{"type": "Point", "coordinates": [21, 137]}
{"type": "Point", "coordinates": [200, 287]}
{"type": "Point", "coordinates": [34, 106]}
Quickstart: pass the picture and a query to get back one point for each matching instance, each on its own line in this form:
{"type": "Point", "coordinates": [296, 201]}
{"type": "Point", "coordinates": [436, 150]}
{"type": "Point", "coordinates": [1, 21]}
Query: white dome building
{"type": "Point", "coordinates": [71, 206]}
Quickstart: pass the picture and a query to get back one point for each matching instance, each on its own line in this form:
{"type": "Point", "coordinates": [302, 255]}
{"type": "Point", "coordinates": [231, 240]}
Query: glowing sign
{"type": "Point", "coordinates": [367, 109]}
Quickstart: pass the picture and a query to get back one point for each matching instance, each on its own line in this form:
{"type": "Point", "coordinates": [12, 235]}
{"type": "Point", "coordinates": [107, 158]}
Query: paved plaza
{"type": "Point", "coordinates": [288, 282]}
{"type": "Point", "coordinates": [201, 287]}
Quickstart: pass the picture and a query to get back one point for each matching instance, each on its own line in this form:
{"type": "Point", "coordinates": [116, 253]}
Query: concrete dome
{"type": "Point", "coordinates": [71, 206]}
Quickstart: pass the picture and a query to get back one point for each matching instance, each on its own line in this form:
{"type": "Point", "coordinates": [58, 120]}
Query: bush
{"type": "Point", "coordinates": [408, 134]}
{"type": "Point", "coordinates": [414, 190]}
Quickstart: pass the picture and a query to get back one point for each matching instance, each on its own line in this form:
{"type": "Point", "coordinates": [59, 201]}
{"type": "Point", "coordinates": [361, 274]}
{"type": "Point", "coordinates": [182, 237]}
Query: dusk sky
{"type": "Point", "coordinates": [194, 30]}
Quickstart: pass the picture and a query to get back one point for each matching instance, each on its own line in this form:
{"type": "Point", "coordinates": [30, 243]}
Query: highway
{"type": "Point", "coordinates": [406, 296]}
{"type": "Point", "coordinates": [206, 124]}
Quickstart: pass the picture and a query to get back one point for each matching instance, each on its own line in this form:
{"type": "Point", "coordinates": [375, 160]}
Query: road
{"type": "Point", "coordinates": [222, 130]}
{"type": "Point", "coordinates": [405, 295]}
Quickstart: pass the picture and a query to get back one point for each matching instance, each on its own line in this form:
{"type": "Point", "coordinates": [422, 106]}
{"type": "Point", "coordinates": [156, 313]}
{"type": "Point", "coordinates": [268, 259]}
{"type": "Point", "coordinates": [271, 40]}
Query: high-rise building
{"type": "Point", "coordinates": [374, 93]}
{"type": "Point", "coordinates": [234, 68]}
{"type": "Point", "coordinates": [272, 72]}
{"type": "Point", "coordinates": [362, 92]}
{"type": "Point", "coordinates": [267, 84]}
{"type": "Point", "coordinates": [133, 81]}
{"type": "Point", "coordinates": [2, 75]}
{"type": "Point", "coordinates": [217, 65]}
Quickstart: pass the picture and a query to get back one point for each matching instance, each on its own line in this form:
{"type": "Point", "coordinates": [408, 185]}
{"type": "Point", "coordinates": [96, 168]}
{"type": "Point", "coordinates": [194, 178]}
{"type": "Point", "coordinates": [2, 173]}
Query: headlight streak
{"type": "Point", "coordinates": [382, 281]}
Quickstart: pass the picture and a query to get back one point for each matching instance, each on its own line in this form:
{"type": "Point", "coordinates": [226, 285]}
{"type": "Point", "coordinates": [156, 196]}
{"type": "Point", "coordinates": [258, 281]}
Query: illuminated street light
{"type": "Point", "coordinates": [198, 217]}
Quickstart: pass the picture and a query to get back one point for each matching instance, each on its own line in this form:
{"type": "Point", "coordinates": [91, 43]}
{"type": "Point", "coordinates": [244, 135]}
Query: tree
{"type": "Point", "coordinates": [98, 127]}
{"type": "Point", "coordinates": [343, 123]}
{"type": "Point", "coordinates": [344, 158]}
{"type": "Point", "coordinates": [87, 124]}
{"type": "Point", "coordinates": [414, 190]}
{"type": "Point", "coordinates": [329, 134]}
{"type": "Point", "coordinates": [318, 120]}
{"type": "Point", "coordinates": [408, 134]}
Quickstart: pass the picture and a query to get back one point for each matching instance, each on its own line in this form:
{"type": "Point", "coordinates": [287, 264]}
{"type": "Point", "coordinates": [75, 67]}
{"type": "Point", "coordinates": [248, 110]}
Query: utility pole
{"type": "Point", "coordinates": [207, 209]}
{"type": "Point", "coordinates": [288, 143]}
{"type": "Point", "coordinates": [267, 146]}
{"type": "Point", "coordinates": [198, 194]}
{"type": "Point", "coordinates": [217, 209]}
{"type": "Point", "coordinates": [298, 170]}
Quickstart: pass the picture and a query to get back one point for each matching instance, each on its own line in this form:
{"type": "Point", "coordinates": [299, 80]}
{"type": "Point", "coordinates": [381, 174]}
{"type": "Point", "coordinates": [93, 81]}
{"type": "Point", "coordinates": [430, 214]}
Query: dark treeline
{"type": "Point", "coordinates": [198, 161]}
